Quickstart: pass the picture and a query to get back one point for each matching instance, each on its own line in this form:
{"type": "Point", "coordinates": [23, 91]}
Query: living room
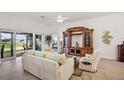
{"type": "Point", "coordinates": [61, 33]}
{"type": "Point", "coordinates": [65, 46]}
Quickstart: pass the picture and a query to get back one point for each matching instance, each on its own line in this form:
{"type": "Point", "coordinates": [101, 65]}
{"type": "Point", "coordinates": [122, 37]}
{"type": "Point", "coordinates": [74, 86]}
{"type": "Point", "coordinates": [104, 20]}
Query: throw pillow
{"type": "Point", "coordinates": [63, 59]}
{"type": "Point", "coordinates": [60, 58]}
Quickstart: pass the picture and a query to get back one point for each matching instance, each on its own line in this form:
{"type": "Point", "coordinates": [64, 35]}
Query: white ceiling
{"type": "Point", "coordinates": [50, 17]}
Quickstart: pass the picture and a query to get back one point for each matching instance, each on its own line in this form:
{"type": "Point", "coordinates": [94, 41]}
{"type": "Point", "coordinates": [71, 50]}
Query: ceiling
{"type": "Point", "coordinates": [50, 17]}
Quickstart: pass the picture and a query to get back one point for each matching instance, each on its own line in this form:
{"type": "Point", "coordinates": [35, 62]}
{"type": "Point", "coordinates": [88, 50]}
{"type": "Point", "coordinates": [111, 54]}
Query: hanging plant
{"type": "Point", "coordinates": [48, 39]}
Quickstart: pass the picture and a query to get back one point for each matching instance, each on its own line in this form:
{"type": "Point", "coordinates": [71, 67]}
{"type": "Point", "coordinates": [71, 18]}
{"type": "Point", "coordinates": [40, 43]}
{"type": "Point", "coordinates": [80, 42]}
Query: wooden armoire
{"type": "Point", "coordinates": [121, 52]}
{"type": "Point", "coordinates": [78, 36]}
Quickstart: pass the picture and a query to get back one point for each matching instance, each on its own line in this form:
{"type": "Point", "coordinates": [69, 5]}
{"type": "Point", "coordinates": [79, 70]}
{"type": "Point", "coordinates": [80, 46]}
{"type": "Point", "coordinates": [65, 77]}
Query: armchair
{"type": "Point", "coordinates": [92, 60]}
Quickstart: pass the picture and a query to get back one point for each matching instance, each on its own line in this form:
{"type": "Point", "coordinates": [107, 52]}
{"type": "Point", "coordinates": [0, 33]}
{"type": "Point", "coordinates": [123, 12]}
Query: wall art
{"type": "Point", "coordinates": [107, 37]}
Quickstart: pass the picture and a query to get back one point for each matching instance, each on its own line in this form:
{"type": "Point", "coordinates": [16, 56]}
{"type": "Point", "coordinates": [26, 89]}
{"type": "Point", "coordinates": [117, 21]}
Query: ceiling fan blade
{"type": "Point", "coordinates": [61, 18]}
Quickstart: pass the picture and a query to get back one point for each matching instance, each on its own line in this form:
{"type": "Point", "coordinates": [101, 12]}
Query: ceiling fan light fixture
{"type": "Point", "coordinates": [59, 20]}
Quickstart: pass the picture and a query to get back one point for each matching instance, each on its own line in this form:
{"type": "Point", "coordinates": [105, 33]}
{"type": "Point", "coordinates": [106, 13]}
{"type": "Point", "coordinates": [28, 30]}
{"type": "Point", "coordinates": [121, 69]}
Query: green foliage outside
{"type": "Point", "coordinates": [7, 46]}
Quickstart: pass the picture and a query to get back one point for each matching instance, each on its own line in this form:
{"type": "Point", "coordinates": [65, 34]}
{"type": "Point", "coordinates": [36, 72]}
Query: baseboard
{"type": "Point", "coordinates": [109, 59]}
{"type": "Point", "coordinates": [8, 58]}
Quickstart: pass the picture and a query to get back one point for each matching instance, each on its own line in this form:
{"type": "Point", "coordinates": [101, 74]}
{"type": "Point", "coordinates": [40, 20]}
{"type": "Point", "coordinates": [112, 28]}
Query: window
{"type": "Point", "coordinates": [6, 45]}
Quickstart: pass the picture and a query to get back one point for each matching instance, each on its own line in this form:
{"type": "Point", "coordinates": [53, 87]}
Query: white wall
{"type": "Point", "coordinates": [112, 23]}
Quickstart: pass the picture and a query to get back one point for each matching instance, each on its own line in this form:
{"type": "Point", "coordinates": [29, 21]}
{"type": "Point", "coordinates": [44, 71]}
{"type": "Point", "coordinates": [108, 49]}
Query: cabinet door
{"type": "Point", "coordinates": [87, 40]}
{"type": "Point", "coordinates": [66, 41]}
{"type": "Point", "coordinates": [122, 54]}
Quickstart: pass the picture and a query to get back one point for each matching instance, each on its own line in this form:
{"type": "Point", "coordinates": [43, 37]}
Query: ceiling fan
{"type": "Point", "coordinates": [59, 18]}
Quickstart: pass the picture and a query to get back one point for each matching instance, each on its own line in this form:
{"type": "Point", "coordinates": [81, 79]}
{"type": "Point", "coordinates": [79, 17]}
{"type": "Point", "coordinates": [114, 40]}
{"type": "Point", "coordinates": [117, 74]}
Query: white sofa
{"type": "Point", "coordinates": [42, 66]}
{"type": "Point", "coordinates": [94, 61]}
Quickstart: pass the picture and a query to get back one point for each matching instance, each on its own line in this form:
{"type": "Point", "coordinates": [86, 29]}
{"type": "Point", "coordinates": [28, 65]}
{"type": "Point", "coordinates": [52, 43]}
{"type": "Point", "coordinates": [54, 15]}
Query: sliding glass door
{"type": "Point", "coordinates": [29, 41]}
{"type": "Point", "coordinates": [6, 45]}
{"type": "Point", "coordinates": [15, 44]}
{"type": "Point", "coordinates": [20, 44]}
{"type": "Point", "coordinates": [24, 41]}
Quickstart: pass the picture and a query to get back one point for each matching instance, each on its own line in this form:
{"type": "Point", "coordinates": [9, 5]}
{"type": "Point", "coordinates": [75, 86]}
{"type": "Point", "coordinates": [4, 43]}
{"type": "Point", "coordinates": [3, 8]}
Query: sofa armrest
{"type": "Point", "coordinates": [74, 57]}
{"type": "Point", "coordinates": [66, 70]}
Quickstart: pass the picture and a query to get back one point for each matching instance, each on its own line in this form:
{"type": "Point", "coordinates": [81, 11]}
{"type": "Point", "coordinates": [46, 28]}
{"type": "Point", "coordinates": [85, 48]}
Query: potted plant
{"type": "Point", "coordinates": [48, 39]}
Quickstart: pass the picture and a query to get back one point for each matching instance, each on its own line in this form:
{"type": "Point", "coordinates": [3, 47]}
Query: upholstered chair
{"type": "Point", "coordinates": [90, 62]}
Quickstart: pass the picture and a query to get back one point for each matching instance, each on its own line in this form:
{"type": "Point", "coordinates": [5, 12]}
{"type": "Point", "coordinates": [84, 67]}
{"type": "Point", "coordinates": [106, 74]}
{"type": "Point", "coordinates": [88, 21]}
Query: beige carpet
{"type": "Point", "coordinates": [107, 70]}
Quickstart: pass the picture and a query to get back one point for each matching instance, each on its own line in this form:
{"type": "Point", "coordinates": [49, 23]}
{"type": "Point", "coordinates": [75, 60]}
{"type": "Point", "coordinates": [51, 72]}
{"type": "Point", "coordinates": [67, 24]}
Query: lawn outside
{"type": "Point", "coordinates": [8, 46]}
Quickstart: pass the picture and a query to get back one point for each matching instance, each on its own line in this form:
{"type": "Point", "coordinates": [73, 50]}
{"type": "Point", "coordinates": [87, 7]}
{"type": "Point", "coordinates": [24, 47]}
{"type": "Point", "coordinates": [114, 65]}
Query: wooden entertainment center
{"type": "Point", "coordinates": [78, 41]}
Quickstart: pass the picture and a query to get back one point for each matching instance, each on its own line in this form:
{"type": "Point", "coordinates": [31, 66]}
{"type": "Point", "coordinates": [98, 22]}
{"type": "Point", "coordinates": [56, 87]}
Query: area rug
{"type": "Point", "coordinates": [77, 72]}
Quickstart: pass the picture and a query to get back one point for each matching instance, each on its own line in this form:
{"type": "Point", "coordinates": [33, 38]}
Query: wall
{"type": "Point", "coordinates": [112, 23]}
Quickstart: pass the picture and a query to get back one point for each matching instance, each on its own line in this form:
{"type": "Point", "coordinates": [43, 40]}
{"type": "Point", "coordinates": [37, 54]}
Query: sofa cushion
{"type": "Point", "coordinates": [31, 52]}
{"type": "Point", "coordinates": [39, 53]}
{"type": "Point", "coordinates": [60, 58]}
